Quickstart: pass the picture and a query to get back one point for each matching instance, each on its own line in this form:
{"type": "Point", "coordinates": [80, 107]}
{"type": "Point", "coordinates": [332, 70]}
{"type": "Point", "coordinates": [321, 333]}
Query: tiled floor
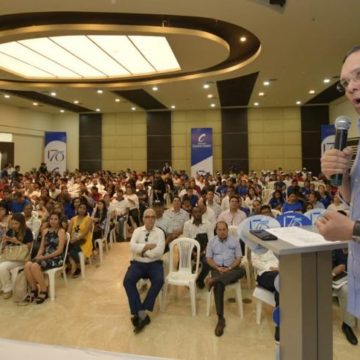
{"type": "Point", "coordinates": [93, 313]}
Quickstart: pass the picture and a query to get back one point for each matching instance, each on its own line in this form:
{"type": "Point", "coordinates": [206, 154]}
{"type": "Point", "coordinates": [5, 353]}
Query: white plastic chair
{"type": "Point", "coordinates": [262, 296]}
{"type": "Point", "coordinates": [52, 272]}
{"type": "Point", "coordinates": [184, 275]}
{"type": "Point", "coordinates": [238, 295]}
{"type": "Point", "coordinates": [233, 231]}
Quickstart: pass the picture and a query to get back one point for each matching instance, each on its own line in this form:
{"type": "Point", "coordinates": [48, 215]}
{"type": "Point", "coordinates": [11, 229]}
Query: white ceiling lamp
{"type": "Point", "coordinates": [117, 100]}
{"type": "Point", "coordinates": [261, 93]}
{"type": "Point", "coordinates": [76, 102]}
{"type": "Point", "coordinates": [99, 91]}
{"type": "Point", "coordinates": [53, 93]}
{"type": "Point", "coordinates": [256, 104]}
{"type": "Point", "coordinates": [155, 88]}
{"type": "Point", "coordinates": [62, 111]}
{"type": "Point", "coordinates": [326, 81]}
{"type": "Point", "coordinates": [6, 96]}
{"type": "Point", "coordinates": [210, 96]}
{"type": "Point", "coordinates": [173, 107]}
{"type": "Point", "coordinates": [212, 105]}
{"type": "Point", "coordinates": [35, 103]}
{"type": "Point", "coordinates": [266, 83]}
{"type": "Point", "coordinates": [98, 110]}
{"type": "Point", "coordinates": [88, 56]}
{"type": "Point", "coordinates": [298, 102]}
{"type": "Point", "coordinates": [243, 39]}
{"type": "Point", "coordinates": [206, 86]}
{"type": "Point", "coordinates": [311, 92]}
{"type": "Point", "coordinates": [157, 51]}
{"type": "Point", "coordinates": [133, 108]}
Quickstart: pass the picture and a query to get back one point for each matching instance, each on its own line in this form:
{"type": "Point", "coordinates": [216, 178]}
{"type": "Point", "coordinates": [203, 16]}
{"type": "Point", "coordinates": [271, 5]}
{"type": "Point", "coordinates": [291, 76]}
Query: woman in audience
{"type": "Point", "coordinates": [277, 200]}
{"type": "Point", "coordinates": [50, 255]}
{"type": "Point", "coordinates": [18, 234]}
{"type": "Point", "coordinates": [80, 229]}
{"type": "Point", "coordinates": [41, 208]}
{"type": "Point", "coordinates": [250, 198]}
{"type": "Point", "coordinates": [337, 204]}
{"type": "Point", "coordinates": [99, 217]}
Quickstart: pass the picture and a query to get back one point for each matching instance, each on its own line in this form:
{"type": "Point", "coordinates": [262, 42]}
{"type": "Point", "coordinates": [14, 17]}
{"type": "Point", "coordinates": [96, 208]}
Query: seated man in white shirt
{"type": "Point", "coordinates": [201, 230]}
{"type": "Point", "coordinates": [177, 216]}
{"type": "Point", "coordinates": [212, 203]}
{"type": "Point", "coordinates": [147, 246]}
{"type": "Point", "coordinates": [223, 254]}
{"type": "Point", "coordinates": [233, 216]}
{"type": "Point", "coordinates": [119, 209]}
{"type": "Point", "coordinates": [207, 213]}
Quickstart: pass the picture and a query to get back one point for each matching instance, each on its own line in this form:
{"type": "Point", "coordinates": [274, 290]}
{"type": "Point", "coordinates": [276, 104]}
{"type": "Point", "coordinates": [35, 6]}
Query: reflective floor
{"type": "Point", "coordinates": [93, 313]}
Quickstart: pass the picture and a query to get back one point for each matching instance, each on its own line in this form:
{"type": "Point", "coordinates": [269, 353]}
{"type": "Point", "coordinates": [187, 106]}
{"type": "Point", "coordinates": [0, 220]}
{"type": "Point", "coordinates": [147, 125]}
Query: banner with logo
{"type": "Point", "coordinates": [327, 137]}
{"type": "Point", "coordinates": [55, 151]}
{"type": "Point", "coordinates": [201, 151]}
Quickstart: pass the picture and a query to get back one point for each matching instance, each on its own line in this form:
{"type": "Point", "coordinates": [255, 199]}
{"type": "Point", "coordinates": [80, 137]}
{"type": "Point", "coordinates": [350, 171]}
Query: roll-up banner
{"type": "Point", "coordinates": [55, 151]}
{"type": "Point", "coordinates": [327, 137]}
{"type": "Point", "coordinates": [201, 151]}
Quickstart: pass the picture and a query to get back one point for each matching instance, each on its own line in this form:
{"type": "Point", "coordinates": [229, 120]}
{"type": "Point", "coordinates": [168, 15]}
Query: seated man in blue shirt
{"type": "Point", "coordinates": [223, 254]}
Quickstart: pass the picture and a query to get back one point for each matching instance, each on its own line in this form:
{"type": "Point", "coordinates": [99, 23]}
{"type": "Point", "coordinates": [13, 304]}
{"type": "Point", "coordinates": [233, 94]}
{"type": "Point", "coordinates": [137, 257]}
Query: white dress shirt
{"type": "Point", "coordinates": [140, 237]}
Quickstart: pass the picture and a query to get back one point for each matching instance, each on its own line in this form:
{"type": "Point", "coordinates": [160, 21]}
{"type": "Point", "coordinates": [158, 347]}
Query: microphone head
{"type": "Point", "coordinates": [342, 123]}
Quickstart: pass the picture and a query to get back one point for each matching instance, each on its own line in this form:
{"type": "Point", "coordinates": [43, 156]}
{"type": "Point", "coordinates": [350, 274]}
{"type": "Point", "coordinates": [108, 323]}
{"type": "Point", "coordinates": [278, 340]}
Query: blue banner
{"type": "Point", "coordinates": [55, 151]}
{"type": "Point", "coordinates": [201, 151]}
{"type": "Point", "coordinates": [327, 137]}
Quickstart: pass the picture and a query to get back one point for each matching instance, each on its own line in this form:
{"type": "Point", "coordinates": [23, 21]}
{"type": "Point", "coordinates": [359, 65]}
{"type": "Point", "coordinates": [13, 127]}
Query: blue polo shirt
{"type": "Point", "coordinates": [223, 252]}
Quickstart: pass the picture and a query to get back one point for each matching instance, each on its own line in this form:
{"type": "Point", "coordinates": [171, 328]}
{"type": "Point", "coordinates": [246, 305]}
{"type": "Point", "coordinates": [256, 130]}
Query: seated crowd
{"type": "Point", "coordinates": [43, 209]}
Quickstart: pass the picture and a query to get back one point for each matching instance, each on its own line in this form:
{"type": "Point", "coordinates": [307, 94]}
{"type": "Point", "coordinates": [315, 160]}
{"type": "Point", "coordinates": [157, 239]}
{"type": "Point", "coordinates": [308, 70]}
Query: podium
{"type": "Point", "coordinates": [305, 298]}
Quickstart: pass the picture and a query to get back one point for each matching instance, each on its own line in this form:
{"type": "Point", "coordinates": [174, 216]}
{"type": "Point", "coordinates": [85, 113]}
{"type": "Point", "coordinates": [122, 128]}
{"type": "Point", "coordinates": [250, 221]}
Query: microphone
{"type": "Point", "coordinates": [342, 125]}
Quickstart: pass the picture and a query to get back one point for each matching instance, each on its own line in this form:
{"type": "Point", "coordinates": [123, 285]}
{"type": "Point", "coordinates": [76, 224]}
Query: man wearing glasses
{"type": "Point", "coordinates": [333, 225]}
{"type": "Point", "coordinates": [147, 246]}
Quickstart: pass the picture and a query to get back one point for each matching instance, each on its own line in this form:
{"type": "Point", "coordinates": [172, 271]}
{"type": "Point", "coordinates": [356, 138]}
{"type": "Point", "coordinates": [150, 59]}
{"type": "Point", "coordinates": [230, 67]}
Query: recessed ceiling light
{"type": "Point", "coordinates": [326, 81]}
{"type": "Point", "coordinates": [261, 93]}
{"type": "Point", "coordinates": [99, 91]}
{"type": "Point", "coordinates": [76, 101]}
{"type": "Point", "coordinates": [266, 83]}
{"type": "Point", "coordinates": [206, 86]}
{"type": "Point", "coordinates": [53, 93]}
{"type": "Point", "coordinates": [155, 88]}
{"type": "Point", "coordinates": [243, 39]}
{"type": "Point", "coordinates": [311, 91]}
{"type": "Point", "coordinates": [256, 104]}
{"type": "Point", "coordinates": [35, 103]}
{"type": "Point", "coordinates": [117, 100]}
{"type": "Point", "coordinates": [212, 105]}
{"type": "Point", "coordinates": [298, 102]}
{"type": "Point", "coordinates": [98, 109]}
{"type": "Point", "coordinates": [210, 96]}
{"type": "Point", "coordinates": [133, 108]}
{"type": "Point", "coordinates": [62, 110]}
{"type": "Point", "coordinates": [7, 96]}
{"type": "Point", "coordinates": [173, 106]}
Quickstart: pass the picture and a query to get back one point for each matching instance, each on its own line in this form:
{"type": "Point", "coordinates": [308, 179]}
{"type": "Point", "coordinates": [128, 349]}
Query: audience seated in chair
{"type": "Point", "coordinates": [80, 239]}
{"type": "Point", "coordinates": [147, 246]}
{"type": "Point", "coordinates": [49, 256]}
{"type": "Point", "coordinates": [223, 255]}
{"type": "Point", "coordinates": [199, 229]}
{"type": "Point", "coordinates": [17, 234]}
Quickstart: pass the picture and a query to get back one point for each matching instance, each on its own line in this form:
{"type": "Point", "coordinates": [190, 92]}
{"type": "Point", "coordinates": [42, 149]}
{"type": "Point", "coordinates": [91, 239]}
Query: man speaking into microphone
{"type": "Point", "coordinates": [335, 165]}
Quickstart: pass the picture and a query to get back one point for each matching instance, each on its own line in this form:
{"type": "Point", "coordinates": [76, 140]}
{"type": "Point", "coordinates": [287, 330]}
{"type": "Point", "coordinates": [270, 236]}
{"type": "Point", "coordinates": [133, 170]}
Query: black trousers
{"type": "Point", "coordinates": [221, 280]}
{"type": "Point", "coordinates": [266, 280]}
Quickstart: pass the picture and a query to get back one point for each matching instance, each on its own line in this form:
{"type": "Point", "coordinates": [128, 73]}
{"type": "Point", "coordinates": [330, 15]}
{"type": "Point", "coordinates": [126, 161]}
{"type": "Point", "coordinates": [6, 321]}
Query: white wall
{"type": "Point", "coordinates": [28, 129]}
